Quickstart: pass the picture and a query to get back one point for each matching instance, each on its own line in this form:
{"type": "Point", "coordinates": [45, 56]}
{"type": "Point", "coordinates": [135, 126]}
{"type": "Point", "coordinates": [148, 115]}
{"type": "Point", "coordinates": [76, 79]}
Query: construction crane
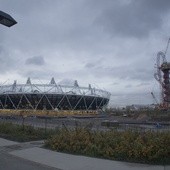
{"type": "Point", "coordinates": [156, 101]}
{"type": "Point", "coordinates": [162, 76]}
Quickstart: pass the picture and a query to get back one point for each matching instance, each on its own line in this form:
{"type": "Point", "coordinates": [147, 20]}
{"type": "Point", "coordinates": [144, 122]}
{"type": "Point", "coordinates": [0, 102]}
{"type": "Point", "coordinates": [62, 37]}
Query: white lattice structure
{"type": "Point", "coordinates": [52, 96]}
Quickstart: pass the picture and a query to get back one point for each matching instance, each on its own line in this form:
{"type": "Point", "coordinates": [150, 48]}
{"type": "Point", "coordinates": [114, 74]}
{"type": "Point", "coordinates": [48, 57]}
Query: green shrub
{"type": "Point", "coordinates": [145, 147]}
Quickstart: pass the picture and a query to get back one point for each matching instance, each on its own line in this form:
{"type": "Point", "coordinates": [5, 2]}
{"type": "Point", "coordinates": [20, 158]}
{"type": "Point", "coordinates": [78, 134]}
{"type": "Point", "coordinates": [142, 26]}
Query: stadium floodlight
{"type": "Point", "coordinates": [6, 19]}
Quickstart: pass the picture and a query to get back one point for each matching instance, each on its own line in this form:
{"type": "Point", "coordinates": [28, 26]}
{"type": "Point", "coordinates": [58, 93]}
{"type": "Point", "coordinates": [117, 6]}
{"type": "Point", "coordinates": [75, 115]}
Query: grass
{"type": "Point", "coordinates": [23, 133]}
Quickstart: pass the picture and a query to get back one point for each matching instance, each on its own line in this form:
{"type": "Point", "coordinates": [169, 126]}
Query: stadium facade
{"type": "Point", "coordinates": [52, 96]}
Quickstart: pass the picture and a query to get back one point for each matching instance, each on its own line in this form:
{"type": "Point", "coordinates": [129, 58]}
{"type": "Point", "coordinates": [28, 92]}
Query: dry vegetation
{"type": "Point", "coordinates": [45, 112]}
{"type": "Point", "coordinates": [143, 147]}
{"type": "Point", "coordinates": [23, 133]}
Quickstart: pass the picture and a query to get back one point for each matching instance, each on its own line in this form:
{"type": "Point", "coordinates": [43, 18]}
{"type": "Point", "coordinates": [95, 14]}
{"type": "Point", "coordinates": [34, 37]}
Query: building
{"type": "Point", "coordinates": [52, 96]}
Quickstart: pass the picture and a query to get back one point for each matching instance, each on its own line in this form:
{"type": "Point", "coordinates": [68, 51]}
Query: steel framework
{"type": "Point", "coordinates": [163, 79]}
{"type": "Point", "coordinates": [52, 96]}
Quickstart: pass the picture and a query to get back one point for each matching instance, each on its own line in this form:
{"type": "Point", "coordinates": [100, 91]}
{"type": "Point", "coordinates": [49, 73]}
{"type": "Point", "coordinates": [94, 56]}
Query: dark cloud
{"type": "Point", "coordinates": [115, 84]}
{"type": "Point", "coordinates": [135, 19]}
{"type": "Point", "coordinates": [125, 72]}
{"type": "Point", "coordinates": [36, 60]}
{"type": "Point", "coordinates": [128, 86]}
{"type": "Point", "coordinates": [89, 65]}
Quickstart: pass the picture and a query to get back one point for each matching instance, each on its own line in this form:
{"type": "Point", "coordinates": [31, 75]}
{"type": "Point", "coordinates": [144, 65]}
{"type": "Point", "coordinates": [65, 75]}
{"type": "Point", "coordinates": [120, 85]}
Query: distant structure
{"type": "Point", "coordinates": [52, 96]}
{"type": "Point", "coordinates": [162, 76]}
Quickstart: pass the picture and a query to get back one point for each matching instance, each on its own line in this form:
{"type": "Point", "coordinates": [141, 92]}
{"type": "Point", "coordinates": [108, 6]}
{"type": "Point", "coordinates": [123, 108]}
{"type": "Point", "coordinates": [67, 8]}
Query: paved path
{"type": "Point", "coordinates": [73, 162]}
{"type": "Point", "coordinates": [30, 155]}
{"type": "Point", "coordinates": [4, 142]}
{"type": "Point", "coordinates": [9, 162]}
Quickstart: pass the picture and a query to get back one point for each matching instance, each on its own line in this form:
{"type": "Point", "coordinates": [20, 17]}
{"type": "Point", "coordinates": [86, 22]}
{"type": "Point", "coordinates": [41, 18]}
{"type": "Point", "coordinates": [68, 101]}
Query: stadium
{"type": "Point", "coordinates": [52, 96]}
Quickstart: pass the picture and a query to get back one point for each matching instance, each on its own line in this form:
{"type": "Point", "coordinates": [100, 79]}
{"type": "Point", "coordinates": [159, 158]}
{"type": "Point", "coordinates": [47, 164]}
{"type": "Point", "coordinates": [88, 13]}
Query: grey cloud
{"type": "Point", "coordinates": [89, 65]}
{"type": "Point", "coordinates": [135, 19]}
{"type": "Point", "coordinates": [133, 98]}
{"type": "Point", "coordinates": [144, 74]}
{"type": "Point", "coordinates": [19, 7]}
{"type": "Point", "coordinates": [142, 84]}
{"type": "Point", "coordinates": [128, 86]}
{"type": "Point", "coordinates": [66, 82]}
{"type": "Point", "coordinates": [42, 73]}
{"type": "Point", "coordinates": [7, 62]}
{"type": "Point", "coordinates": [126, 72]}
{"type": "Point", "coordinates": [36, 60]}
{"type": "Point", "coordinates": [115, 83]}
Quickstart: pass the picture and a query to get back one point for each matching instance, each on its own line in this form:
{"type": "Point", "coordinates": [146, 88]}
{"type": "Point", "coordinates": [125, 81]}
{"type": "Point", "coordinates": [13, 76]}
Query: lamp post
{"type": "Point", "coordinates": [6, 19]}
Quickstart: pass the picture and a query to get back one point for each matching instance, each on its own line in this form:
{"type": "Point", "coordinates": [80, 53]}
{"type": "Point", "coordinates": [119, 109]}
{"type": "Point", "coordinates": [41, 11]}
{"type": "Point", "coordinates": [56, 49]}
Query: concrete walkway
{"type": "Point", "coordinates": [4, 142]}
{"type": "Point", "coordinates": [73, 162]}
{"type": "Point", "coordinates": [32, 152]}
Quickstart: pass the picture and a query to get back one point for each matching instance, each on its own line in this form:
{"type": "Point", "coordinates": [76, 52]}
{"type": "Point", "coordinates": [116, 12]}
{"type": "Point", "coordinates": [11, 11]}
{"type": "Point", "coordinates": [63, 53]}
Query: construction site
{"type": "Point", "coordinates": [118, 118]}
{"type": "Point", "coordinates": [69, 103]}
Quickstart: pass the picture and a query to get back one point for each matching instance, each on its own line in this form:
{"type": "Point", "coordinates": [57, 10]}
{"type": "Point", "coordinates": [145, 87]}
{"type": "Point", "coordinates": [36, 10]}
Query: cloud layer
{"type": "Point", "coordinates": [36, 60]}
{"type": "Point", "coordinates": [110, 44]}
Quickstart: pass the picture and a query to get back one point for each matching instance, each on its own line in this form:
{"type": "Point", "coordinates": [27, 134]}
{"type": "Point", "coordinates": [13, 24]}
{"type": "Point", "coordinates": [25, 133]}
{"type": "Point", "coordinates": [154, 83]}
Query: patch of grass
{"type": "Point", "coordinates": [22, 134]}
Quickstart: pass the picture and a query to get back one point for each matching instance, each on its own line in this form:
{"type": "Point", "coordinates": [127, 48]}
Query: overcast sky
{"type": "Point", "coordinates": [111, 44]}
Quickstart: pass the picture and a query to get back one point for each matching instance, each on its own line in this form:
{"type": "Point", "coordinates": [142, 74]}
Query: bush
{"type": "Point", "coordinates": [144, 147]}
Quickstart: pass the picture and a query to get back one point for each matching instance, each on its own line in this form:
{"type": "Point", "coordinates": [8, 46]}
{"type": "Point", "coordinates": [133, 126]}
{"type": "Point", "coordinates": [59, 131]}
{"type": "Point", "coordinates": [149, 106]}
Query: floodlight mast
{"type": "Point", "coordinates": [6, 19]}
